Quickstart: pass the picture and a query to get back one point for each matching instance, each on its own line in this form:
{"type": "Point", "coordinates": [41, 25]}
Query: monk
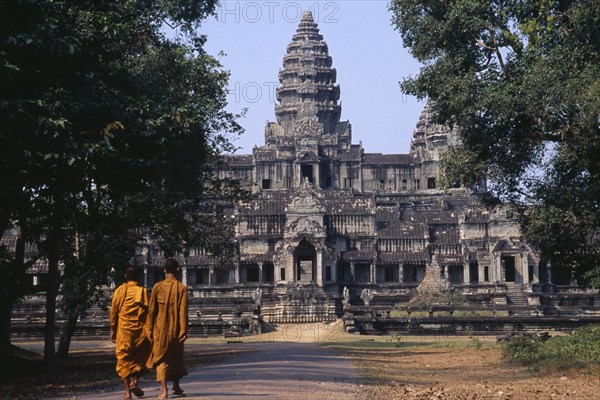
{"type": "Point", "coordinates": [128, 314]}
{"type": "Point", "coordinates": [167, 323]}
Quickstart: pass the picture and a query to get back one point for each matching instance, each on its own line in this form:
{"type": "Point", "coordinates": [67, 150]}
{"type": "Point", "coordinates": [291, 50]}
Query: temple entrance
{"type": "Point", "coordinates": [508, 263]}
{"type": "Point", "coordinates": [306, 171]}
{"type": "Point", "coordinates": [305, 260]}
{"type": "Point", "coordinates": [456, 274]}
{"type": "Point", "coordinates": [473, 272]}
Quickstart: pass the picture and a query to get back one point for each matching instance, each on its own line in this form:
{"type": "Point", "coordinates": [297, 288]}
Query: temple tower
{"type": "Point", "coordinates": [307, 80]}
{"type": "Point", "coordinates": [308, 136]}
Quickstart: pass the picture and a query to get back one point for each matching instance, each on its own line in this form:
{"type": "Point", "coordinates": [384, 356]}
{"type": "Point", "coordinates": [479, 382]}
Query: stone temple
{"type": "Point", "coordinates": [329, 223]}
{"type": "Point", "coordinates": [327, 214]}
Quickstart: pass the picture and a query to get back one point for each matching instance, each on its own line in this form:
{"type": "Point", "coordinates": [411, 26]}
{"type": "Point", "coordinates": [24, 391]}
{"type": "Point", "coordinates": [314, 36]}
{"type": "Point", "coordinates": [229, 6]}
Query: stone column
{"type": "Point", "coordinates": [184, 271]}
{"type": "Point", "coordinates": [260, 273]}
{"type": "Point", "coordinates": [536, 273]}
{"type": "Point", "coordinates": [236, 272]}
{"type": "Point", "coordinates": [211, 276]}
{"type": "Point", "coordinates": [146, 280]}
{"type": "Point", "coordinates": [334, 275]}
{"type": "Point", "coordinates": [352, 272]}
{"type": "Point", "coordinates": [525, 268]}
{"type": "Point", "coordinates": [319, 267]}
{"type": "Point", "coordinates": [549, 272]}
{"type": "Point", "coordinates": [466, 273]}
{"type": "Point", "coordinates": [400, 273]}
{"type": "Point", "coordinates": [373, 273]}
{"type": "Point", "coordinates": [297, 177]}
{"type": "Point", "coordinates": [291, 274]}
{"type": "Point", "coordinates": [496, 272]}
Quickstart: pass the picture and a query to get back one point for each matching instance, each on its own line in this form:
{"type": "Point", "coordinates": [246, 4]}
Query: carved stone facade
{"type": "Point", "coordinates": [328, 214]}
{"type": "Point", "coordinates": [330, 225]}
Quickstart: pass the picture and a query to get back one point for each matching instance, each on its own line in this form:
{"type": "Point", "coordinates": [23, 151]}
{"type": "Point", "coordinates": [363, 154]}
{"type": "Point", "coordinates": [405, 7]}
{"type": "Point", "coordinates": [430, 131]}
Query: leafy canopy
{"type": "Point", "coordinates": [521, 81]}
{"type": "Point", "coordinates": [106, 125]}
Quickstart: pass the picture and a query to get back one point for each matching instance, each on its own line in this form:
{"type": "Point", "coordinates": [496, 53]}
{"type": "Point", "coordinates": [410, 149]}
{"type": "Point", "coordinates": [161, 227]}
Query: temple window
{"type": "Point", "coordinates": [391, 273]}
{"type": "Point", "coordinates": [252, 274]}
{"type": "Point", "coordinates": [266, 184]}
{"type": "Point", "coordinates": [268, 272]}
{"type": "Point", "coordinates": [306, 170]}
{"type": "Point", "coordinates": [202, 277]}
{"type": "Point", "coordinates": [430, 183]}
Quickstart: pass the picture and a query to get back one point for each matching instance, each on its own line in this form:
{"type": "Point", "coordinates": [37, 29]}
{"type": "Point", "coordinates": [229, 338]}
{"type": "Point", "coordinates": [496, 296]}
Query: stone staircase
{"type": "Point", "coordinates": [517, 298]}
{"type": "Point", "coordinates": [516, 295]}
{"type": "Point", "coordinates": [298, 303]}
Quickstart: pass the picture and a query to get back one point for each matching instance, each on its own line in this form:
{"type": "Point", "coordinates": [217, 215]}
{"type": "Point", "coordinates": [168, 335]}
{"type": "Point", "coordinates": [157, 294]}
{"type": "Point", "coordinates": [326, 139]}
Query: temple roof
{"type": "Point", "coordinates": [381, 159]}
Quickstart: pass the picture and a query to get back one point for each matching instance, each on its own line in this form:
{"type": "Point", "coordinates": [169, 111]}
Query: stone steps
{"type": "Point", "coordinates": [296, 304]}
{"type": "Point", "coordinates": [515, 294]}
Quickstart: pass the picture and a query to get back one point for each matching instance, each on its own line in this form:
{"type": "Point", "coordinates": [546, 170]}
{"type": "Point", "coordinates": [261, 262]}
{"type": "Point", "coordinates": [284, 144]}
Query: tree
{"type": "Point", "coordinates": [106, 121]}
{"type": "Point", "coordinates": [521, 82]}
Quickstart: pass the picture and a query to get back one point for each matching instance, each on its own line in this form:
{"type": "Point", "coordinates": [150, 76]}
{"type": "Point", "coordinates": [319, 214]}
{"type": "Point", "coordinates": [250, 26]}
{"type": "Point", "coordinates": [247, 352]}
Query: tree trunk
{"type": "Point", "coordinates": [64, 342]}
{"type": "Point", "coordinates": [51, 293]}
{"type": "Point", "coordinates": [5, 348]}
{"type": "Point", "coordinates": [4, 221]}
{"type": "Point", "coordinates": [6, 303]}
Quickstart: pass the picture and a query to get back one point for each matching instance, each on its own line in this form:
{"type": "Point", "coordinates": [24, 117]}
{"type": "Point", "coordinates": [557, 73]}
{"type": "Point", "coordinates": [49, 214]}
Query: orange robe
{"type": "Point", "coordinates": [128, 313]}
{"type": "Point", "coordinates": [167, 318]}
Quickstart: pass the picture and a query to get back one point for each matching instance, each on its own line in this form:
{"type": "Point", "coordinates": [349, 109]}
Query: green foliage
{"type": "Point", "coordinates": [459, 165]}
{"type": "Point", "coordinates": [107, 124]}
{"type": "Point", "coordinates": [524, 349]}
{"type": "Point", "coordinates": [579, 350]}
{"type": "Point", "coordinates": [520, 80]}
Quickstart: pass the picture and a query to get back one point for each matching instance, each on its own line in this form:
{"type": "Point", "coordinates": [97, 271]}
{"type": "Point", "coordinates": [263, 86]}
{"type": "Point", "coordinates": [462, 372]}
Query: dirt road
{"type": "Point", "coordinates": [276, 370]}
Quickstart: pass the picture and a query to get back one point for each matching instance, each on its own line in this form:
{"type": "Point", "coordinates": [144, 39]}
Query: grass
{"type": "Point", "coordinates": [455, 314]}
{"type": "Point", "coordinates": [386, 343]}
{"type": "Point", "coordinates": [581, 350]}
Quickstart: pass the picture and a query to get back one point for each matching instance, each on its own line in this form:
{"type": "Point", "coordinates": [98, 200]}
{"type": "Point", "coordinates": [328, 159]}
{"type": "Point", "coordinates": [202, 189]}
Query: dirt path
{"type": "Point", "coordinates": [275, 370]}
{"type": "Point", "coordinates": [292, 363]}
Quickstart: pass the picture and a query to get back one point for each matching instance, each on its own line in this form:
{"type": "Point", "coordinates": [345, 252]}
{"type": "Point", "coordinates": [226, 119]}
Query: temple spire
{"type": "Point", "coordinates": [308, 89]}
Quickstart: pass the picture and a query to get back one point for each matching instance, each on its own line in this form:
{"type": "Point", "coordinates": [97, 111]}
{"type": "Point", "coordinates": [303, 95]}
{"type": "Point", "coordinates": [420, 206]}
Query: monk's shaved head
{"type": "Point", "coordinates": [132, 274]}
{"type": "Point", "coordinates": [171, 266]}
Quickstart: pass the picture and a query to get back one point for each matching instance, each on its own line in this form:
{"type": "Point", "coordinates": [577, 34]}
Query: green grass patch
{"type": "Point", "coordinates": [394, 342]}
{"type": "Point", "coordinates": [580, 350]}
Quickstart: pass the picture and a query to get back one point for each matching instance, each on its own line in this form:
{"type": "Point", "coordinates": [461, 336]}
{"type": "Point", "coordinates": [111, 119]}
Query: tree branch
{"type": "Point", "coordinates": [485, 46]}
{"type": "Point", "coordinates": [497, 50]}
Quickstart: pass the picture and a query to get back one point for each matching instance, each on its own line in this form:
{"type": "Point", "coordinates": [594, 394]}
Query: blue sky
{"type": "Point", "coordinates": [367, 53]}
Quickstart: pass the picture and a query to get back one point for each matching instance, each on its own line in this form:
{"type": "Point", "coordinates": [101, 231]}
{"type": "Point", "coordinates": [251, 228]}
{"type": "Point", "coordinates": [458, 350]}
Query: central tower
{"type": "Point", "coordinates": [307, 81]}
{"type": "Point", "coordinates": [307, 136]}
